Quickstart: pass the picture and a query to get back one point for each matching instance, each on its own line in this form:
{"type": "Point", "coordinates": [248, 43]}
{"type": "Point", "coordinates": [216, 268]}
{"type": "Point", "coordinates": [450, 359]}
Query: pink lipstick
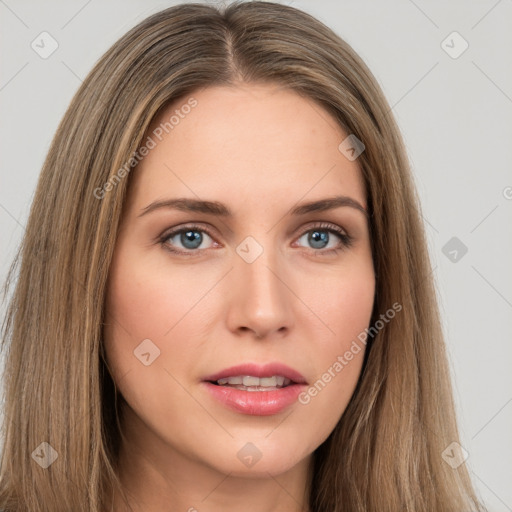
{"type": "Point", "coordinates": [259, 390]}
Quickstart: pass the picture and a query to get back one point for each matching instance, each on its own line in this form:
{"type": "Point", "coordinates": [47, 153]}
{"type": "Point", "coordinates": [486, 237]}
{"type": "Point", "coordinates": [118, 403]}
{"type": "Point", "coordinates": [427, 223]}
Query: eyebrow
{"type": "Point", "coordinates": [217, 208]}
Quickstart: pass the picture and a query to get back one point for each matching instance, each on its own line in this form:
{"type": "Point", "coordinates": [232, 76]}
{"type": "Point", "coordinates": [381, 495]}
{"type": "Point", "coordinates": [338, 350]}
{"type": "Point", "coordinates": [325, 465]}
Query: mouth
{"type": "Point", "coordinates": [256, 389]}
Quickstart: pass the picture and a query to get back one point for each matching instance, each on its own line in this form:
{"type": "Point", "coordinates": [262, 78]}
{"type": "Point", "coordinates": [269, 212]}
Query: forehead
{"type": "Point", "coordinates": [246, 143]}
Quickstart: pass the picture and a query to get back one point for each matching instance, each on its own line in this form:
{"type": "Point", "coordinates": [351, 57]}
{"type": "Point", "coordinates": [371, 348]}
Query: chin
{"type": "Point", "coordinates": [257, 458]}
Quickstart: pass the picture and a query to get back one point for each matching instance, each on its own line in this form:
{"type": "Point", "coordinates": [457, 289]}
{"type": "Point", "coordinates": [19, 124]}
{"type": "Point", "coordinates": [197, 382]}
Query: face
{"type": "Point", "coordinates": [253, 277]}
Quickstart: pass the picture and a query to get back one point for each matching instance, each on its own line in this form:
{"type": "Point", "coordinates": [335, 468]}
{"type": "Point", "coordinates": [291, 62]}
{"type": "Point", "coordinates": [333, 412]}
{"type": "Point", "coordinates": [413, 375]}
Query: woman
{"type": "Point", "coordinates": [224, 294]}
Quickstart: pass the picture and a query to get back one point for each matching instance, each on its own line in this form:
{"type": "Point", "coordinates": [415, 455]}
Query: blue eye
{"type": "Point", "coordinates": [319, 238]}
{"type": "Point", "coordinates": [191, 238]}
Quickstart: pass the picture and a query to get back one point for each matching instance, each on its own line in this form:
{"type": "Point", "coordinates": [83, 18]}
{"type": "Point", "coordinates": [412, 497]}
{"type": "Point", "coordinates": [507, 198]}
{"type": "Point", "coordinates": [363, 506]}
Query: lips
{"type": "Point", "coordinates": [256, 400]}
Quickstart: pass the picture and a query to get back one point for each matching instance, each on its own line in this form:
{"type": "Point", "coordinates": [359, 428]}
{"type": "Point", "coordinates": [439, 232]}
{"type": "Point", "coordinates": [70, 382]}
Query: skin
{"type": "Point", "coordinates": [260, 150]}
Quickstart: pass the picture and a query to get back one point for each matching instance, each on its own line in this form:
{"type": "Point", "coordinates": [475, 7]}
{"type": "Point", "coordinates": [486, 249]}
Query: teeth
{"type": "Point", "coordinates": [251, 383]}
{"type": "Point", "coordinates": [268, 381]}
{"type": "Point", "coordinates": [230, 380]}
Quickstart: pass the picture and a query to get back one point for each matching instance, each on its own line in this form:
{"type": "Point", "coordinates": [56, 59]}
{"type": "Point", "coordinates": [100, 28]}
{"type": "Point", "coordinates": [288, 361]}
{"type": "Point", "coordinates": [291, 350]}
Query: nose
{"type": "Point", "coordinates": [260, 299]}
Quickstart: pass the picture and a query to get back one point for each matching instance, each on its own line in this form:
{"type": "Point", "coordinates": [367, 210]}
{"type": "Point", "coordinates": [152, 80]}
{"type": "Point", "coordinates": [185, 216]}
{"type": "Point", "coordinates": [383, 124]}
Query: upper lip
{"type": "Point", "coordinates": [259, 370]}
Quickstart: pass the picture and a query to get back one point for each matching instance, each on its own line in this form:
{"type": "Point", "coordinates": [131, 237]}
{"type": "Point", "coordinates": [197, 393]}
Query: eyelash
{"type": "Point", "coordinates": [346, 239]}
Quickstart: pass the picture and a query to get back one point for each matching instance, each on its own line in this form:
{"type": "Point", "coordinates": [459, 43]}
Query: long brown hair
{"type": "Point", "coordinates": [385, 454]}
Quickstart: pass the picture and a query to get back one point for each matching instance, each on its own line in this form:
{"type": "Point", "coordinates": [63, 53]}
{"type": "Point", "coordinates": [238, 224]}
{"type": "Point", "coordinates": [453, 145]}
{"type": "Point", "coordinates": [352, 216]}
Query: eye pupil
{"type": "Point", "coordinates": [319, 236]}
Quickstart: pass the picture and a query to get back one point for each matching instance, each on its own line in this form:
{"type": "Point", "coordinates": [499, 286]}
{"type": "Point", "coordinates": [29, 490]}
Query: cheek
{"type": "Point", "coordinates": [351, 307]}
{"type": "Point", "coordinates": [351, 304]}
{"type": "Point", "coordinates": [146, 300]}
{"type": "Point", "coordinates": [150, 299]}
{"type": "Point", "coordinates": [141, 303]}
{"type": "Point", "coordinates": [341, 302]}
{"type": "Point", "coordinates": [344, 307]}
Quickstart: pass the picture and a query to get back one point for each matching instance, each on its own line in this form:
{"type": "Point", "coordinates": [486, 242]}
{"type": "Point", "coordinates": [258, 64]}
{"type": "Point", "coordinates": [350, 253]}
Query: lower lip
{"type": "Point", "coordinates": [256, 403]}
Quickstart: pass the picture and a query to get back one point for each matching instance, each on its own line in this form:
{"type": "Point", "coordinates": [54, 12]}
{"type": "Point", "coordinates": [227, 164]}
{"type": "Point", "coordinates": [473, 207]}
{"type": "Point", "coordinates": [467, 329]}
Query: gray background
{"type": "Point", "coordinates": [455, 115]}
